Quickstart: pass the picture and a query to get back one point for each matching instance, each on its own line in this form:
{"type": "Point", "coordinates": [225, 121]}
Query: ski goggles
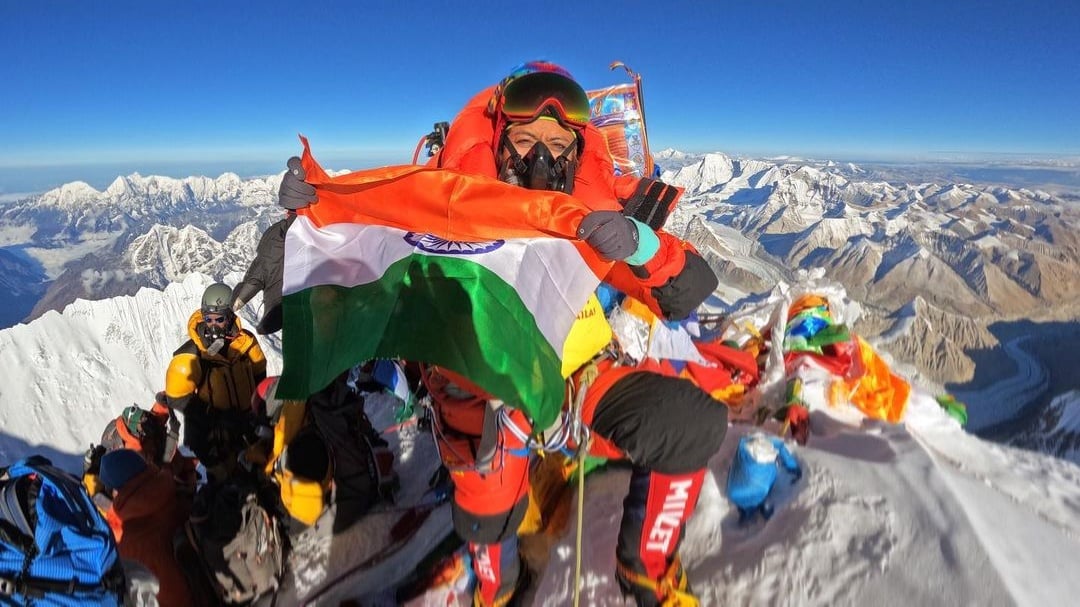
{"type": "Point", "coordinates": [526, 98]}
{"type": "Point", "coordinates": [133, 417]}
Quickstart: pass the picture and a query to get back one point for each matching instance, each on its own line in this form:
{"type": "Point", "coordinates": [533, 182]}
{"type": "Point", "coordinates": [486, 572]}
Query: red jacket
{"type": "Point", "coordinates": [144, 516]}
{"type": "Point", "coordinates": [471, 147]}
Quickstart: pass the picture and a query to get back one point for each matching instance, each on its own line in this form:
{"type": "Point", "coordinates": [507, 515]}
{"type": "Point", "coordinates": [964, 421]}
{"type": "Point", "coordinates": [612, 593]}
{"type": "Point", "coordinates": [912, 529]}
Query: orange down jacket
{"type": "Point", "coordinates": [471, 147]}
{"type": "Point", "coordinates": [144, 516]}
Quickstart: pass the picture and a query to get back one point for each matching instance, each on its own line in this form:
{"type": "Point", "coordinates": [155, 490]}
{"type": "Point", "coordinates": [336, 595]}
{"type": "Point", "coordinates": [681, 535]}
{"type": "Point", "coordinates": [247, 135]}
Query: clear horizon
{"type": "Point", "coordinates": [213, 89]}
{"type": "Point", "coordinates": [1057, 172]}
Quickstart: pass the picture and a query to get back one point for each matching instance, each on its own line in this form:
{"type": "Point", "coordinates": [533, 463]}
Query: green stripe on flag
{"type": "Point", "coordinates": [447, 311]}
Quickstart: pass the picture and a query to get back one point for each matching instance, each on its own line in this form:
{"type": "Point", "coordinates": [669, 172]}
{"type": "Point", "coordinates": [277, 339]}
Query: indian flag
{"type": "Point", "coordinates": [465, 272]}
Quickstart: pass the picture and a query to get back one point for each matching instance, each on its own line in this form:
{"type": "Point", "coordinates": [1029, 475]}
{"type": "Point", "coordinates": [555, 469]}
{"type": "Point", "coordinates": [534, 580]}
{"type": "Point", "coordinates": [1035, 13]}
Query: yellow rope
{"type": "Point", "coordinates": [580, 521]}
{"type": "Point", "coordinates": [588, 374]}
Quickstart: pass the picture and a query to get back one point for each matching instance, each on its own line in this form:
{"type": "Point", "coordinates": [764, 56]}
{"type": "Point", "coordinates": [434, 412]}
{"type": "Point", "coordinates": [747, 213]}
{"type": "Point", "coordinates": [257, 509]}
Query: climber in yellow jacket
{"type": "Point", "coordinates": [211, 379]}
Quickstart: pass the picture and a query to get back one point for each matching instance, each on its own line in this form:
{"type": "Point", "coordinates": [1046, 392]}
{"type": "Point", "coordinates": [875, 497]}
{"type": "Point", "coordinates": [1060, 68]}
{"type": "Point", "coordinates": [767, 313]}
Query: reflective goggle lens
{"type": "Point", "coordinates": [525, 98]}
{"type": "Point", "coordinates": [133, 418]}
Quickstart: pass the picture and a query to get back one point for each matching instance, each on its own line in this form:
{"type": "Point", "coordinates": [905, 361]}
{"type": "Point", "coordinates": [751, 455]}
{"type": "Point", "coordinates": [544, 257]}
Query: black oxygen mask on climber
{"type": "Point", "coordinates": [218, 319]}
{"type": "Point", "coordinates": [216, 330]}
{"type": "Point", "coordinates": [539, 169]}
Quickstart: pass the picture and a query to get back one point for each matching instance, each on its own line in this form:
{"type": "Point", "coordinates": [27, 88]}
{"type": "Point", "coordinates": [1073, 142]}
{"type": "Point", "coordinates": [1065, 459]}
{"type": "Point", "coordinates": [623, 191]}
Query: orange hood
{"type": "Point", "coordinates": [472, 144]}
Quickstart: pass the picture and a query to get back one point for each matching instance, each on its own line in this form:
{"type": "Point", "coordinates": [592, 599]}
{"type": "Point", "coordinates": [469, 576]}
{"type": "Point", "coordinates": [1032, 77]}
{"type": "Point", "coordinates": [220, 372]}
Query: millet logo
{"type": "Point", "coordinates": [667, 522]}
{"type": "Point", "coordinates": [484, 570]}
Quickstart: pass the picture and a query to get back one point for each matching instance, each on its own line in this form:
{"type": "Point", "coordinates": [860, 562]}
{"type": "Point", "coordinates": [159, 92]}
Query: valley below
{"type": "Point", "coordinates": [1015, 382]}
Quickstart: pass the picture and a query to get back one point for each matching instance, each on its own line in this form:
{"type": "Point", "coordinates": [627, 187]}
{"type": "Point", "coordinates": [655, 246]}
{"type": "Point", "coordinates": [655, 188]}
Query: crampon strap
{"type": "Point", "coordinates": [673, 590]}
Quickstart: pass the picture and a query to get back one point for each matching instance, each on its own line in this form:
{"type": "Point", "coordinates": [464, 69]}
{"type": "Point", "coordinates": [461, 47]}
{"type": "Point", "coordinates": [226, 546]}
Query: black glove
{"type": "Point", "coordinates": [651, 203]}
{"type": "Point", "coordinates": [92, 459]}
{"type": "Point", "coordinates": [294, 192]}
{"type": "Point", "coordinates": [611, 234]}
{"type": "Point", "coordinates": [687, 290]}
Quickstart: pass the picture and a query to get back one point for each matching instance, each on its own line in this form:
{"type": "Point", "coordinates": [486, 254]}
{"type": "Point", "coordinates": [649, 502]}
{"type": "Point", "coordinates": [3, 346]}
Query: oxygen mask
{"type": "Point", "coordinates": [539, 169]}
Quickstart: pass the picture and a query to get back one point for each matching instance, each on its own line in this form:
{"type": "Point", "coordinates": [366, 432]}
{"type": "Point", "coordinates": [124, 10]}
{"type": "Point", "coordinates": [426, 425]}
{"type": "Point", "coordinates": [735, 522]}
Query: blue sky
{"type": "Point", "coordinates": [95, 89]}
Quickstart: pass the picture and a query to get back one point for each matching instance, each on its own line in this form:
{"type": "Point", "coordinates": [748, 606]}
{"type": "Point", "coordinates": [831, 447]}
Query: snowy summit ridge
{"type": "Point", "coordinates": [915, 513]}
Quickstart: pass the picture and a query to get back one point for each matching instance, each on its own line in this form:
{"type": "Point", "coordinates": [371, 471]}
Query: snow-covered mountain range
{"type": "Point", "coordinates": [946, 270]}
{"type": "Point", "coordinates": [935, 264]}
{"type": "Point", "coordinates": [76, 242]}
{"type": "Point", "coordinates": [1057, 429]}
{"type": "Point", "coordinates": [972, 250]}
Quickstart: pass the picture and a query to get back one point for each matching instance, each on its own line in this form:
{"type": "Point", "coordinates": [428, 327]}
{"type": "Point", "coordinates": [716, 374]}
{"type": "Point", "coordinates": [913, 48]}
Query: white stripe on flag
{"type": "Point", "coordinates": [549, 275]}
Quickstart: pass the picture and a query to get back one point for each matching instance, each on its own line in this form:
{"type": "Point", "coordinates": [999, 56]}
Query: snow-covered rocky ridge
{"type": "Point", "coordinates": [82, 243]}
{"type": "Point", "coordinates": [1057, 429]}
{"type": "Point", "coordinates": [955, 254]}
{"type": "Point", "coordinates": [915, 513]}
{"type": "Point", "coordinates": [66, 374]}
{"type": "Point", "coordinates": [975, 250]}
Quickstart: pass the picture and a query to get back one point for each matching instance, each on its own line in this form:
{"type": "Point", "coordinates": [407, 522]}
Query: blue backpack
{"type": "Point", "coordinates": [753, 473]}
{"type": "Point", "coordinates": [55, 547]}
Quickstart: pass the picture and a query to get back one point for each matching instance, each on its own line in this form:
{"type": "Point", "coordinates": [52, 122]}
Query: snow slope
{"type": "Point", "coordinates": [64, 376]}
{"type": "Point", "coordinates": [917, 513]}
